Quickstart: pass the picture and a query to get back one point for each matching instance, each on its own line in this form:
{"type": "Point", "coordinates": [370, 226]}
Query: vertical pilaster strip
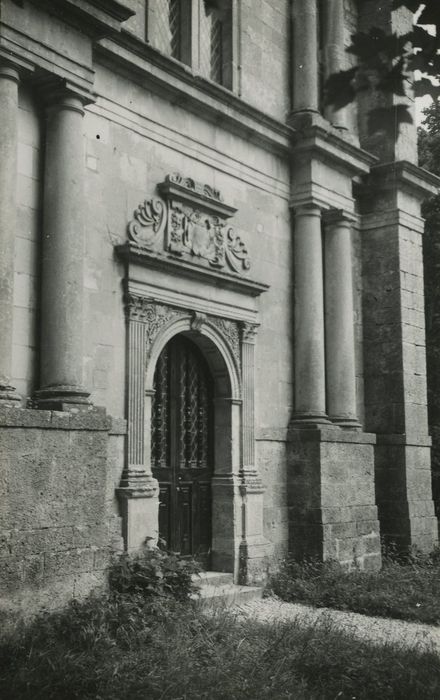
{"type": "Point", "coordinates": [339, 320]}
{"type": "Point", "coordinates": [9, 80]}
{"type": "Point", "coordinates": [138, 490]}
{"type": "Point", "coordinates": [253, 546]}
{"type": "Point", "coordinates": [310, 399]}
{"type": "Point", "coordinates": [305, 56]}
{"type": "Point", "coordinates": [136, 371]}
{"type": "Point", "coordinates": [249, 332]}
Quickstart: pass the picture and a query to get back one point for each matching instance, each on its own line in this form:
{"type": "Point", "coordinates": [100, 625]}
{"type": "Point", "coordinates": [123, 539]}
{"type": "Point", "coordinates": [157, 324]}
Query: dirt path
{"type": "Point", "coordinates": [374, 629]}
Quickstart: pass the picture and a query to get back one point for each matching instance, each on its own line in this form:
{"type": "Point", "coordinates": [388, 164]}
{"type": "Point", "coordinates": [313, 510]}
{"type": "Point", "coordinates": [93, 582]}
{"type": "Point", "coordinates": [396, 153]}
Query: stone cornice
{"type": "Point", "coordinates": [97, 17]}
{"type": "Point", "coordinates": [195, 194]}
{"type": "Point", "coordinates": [132, 254]}
{"type": "Point", "coordinates": [326, 144]}
{"type": "Point", "coordinates": [32, 56]}
{"type": "Point", "coordinates": [175, 81]}
{"type": "Point", "coordinates": [406, 176]}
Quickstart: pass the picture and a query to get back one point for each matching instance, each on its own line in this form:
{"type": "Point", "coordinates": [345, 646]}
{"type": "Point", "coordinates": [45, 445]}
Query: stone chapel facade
{"type": "Point", "coordinates": [211, 293]}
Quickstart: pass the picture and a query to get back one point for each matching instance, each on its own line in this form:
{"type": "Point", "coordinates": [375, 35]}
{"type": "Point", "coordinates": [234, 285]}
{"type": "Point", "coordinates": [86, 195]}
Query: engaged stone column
{"type": "Point", "coordinates": [305, 56]}
{"type": "Point", "coordinates": [334, 52]}
{"type": "Point", "coordinates": [63, 253]}
{"type": "Point", "coordinates": [310, 405]}
{"type": "Point", "coordinates": [339, 321]}
{"type": "Point", "coordinates": [9, 80]}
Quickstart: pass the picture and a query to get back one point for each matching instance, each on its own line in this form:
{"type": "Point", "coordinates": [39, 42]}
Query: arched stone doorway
{"type": "Point", "coordinates": [226, 349]}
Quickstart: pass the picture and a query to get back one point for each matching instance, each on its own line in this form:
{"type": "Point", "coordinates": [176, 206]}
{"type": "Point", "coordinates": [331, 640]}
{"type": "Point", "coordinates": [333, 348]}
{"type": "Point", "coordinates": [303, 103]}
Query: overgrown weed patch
{"type": "Point", "coordinates": [124, 646]}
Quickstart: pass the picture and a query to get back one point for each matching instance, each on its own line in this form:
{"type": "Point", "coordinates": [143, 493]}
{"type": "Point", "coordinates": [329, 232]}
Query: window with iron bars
{"type": "Point", "coordinates": [195, 32]}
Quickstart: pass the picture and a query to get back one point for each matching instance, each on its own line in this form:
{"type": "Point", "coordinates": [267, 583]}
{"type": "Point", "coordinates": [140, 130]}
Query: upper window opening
{"type": "Point", "coordinates": [166, 26]}
{"type": "Point", "coordinates": [195, 32]}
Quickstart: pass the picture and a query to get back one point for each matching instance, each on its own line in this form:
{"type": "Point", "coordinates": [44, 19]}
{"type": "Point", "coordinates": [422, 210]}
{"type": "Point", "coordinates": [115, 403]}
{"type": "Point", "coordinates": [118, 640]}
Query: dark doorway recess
{"type": "Point", "coordinates": [182, 447]}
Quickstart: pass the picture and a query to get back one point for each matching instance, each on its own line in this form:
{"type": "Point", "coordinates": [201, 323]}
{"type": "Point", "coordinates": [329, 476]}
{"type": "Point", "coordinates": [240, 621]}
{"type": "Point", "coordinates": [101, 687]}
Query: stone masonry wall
{"type": "Point", "coordinates": [58, 516]}
{"type": "Point", "coordinates": [133, 140]}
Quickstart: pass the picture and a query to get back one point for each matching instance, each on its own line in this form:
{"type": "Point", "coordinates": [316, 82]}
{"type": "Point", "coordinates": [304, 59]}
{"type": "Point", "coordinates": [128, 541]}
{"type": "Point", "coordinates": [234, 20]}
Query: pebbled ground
{"type": "Point", "coordinates": [377, 630]}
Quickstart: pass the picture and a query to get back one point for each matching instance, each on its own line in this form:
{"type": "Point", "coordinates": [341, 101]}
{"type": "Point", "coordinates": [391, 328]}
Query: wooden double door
{"type": "Point", "coordinates": [182, 448]}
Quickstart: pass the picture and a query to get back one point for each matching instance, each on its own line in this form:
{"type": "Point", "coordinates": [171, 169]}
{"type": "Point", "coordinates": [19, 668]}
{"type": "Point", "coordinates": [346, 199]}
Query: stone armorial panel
{"type": "Point", "coordinates": [187, 232]}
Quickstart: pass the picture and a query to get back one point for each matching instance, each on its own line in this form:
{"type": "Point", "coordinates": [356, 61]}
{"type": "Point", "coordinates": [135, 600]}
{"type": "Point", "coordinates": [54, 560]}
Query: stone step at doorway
{"type": "Point", "coordinates": [218, 588]}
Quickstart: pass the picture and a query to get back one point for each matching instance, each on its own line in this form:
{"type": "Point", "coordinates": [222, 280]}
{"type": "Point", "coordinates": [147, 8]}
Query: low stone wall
{"type": "Point", "coordinates": [58, 515]}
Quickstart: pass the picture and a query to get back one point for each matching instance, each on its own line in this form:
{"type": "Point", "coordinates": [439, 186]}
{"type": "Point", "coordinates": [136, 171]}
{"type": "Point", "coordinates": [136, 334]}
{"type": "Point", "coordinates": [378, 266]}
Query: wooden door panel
{"type": "Point", "coordinates": [181, 447]}
{"type": "Point", "coordinates": [184, 514]}
{"type": "Point", "coordinates": [165, 513]}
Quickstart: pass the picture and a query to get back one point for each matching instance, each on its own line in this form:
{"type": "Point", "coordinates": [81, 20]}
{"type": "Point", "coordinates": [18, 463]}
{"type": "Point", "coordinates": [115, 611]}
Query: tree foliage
{"type": "Point", "coordinates": [386, 62]}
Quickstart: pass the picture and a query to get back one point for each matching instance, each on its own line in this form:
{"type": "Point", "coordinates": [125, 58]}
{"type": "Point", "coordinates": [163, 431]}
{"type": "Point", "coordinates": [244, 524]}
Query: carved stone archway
{"type": "Point", "coordinates": [238, 544]}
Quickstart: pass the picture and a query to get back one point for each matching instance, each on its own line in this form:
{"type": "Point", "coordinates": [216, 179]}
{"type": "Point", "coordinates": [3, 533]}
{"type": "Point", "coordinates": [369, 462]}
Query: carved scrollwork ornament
{"type": "Point", "coordinates": [148, 222]}
{"type": "Point", "coordinates": [153, 316]}
{"type": "Point", "coordinates": [236, 252]}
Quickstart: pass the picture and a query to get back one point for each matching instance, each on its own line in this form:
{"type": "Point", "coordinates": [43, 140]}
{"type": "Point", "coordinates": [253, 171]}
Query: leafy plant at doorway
{"type": "Point", "coordinates": [154, 573]}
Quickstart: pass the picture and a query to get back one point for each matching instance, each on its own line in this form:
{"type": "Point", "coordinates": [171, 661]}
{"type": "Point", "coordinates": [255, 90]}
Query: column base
{"type": "Point", "coordinates": [346, 422]}
{"type": "Point", "coordinates": [62, 397]}
{"type": "Point", "coordinates": [139, 502]}
{"type": "Point", "coordinates": [9, 397]}
{"type": "Point", "coordinates": [303, 419]}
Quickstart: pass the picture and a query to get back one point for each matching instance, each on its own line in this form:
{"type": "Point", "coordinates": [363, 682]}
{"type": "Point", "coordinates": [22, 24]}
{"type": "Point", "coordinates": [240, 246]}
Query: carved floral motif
{"type": "Point", "coordinates": [155, 316]}
{"type": "Point", "coordinates": [229, 331]}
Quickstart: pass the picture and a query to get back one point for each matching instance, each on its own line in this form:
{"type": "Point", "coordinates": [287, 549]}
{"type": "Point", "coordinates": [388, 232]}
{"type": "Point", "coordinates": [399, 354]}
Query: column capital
{"type": "Point", "coordinates": [249, 332]}
{"type": "Point", "coordinates": [9, 72]}
{"type": "Point", "coordinates": [14, 67]}
{"type": "Point", "coordinates": [340, 217]}
{"type": "Point", "coordinates": [306, 207]}
{"type": "Point", "coordinates": [59, 93]}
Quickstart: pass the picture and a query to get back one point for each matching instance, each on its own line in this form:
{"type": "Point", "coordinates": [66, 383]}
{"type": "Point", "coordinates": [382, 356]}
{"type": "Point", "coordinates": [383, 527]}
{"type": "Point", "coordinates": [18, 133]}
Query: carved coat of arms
{"type": "Point", "coordinates": [192, 223]}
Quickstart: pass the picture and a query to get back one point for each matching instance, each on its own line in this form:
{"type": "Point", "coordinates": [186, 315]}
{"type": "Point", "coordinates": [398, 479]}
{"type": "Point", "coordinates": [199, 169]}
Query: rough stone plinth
{"type": "Point", "coordinates": [332, 511]}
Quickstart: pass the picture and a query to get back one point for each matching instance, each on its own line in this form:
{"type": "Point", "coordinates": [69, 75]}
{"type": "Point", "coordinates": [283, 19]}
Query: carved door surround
{"type": "Point", "coordinates": [196, 250]}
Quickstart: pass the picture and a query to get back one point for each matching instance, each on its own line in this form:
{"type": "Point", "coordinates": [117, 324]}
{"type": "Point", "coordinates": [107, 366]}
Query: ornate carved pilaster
{"type": "Point", "coordinates": [137, 483]}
